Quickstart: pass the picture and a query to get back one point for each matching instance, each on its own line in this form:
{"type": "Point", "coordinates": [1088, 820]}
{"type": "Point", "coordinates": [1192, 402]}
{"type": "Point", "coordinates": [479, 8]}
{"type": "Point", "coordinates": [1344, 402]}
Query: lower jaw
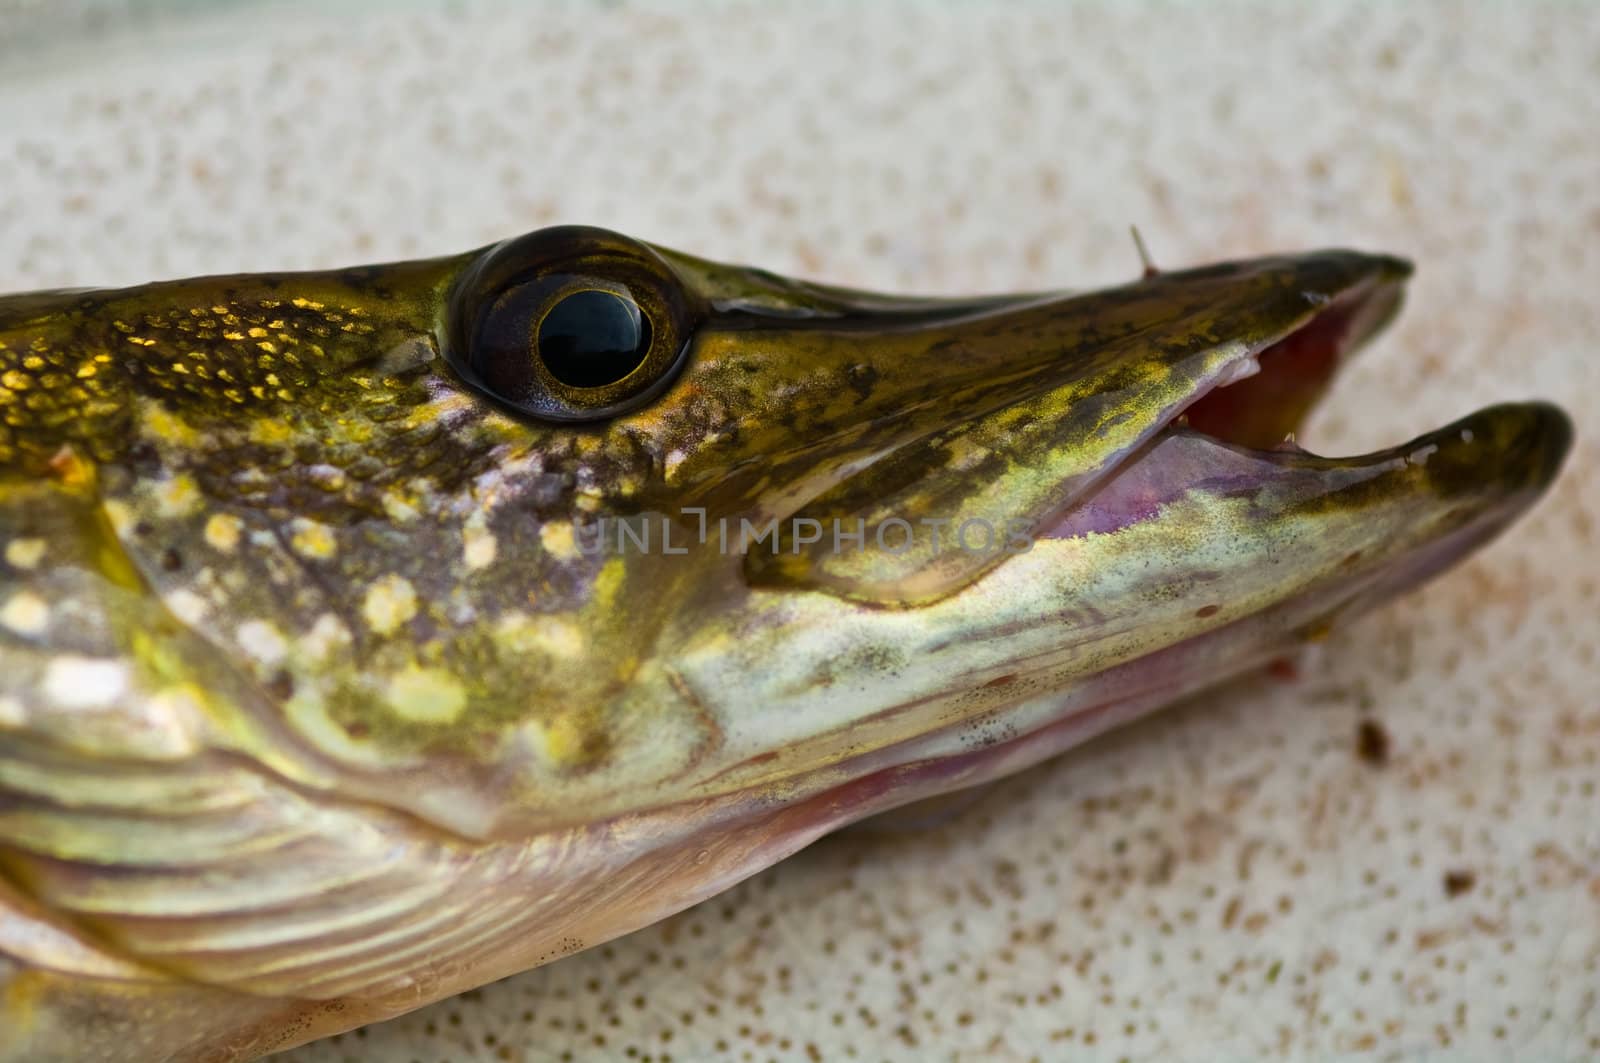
{"type": "Point", "coordinates": [745, 832]}
{"type": "Point", "coordinates": [644, 866]}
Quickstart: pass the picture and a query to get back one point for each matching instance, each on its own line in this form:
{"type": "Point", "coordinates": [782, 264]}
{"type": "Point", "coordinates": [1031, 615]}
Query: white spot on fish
{"type": "Point", "coordinates": [262, 641]}
{"type": "Point", "coordinates": [326, 477]}
{"type": "Point", "coordinates": [390, 602]}
{"type": "Point", "coordinates": [478, 544]}
{"type": "Point", "coordinates": [1421, 454]}
{"type": "Point", "coordinates": [24, 553]}
{"type": "Point", "coordinates": [170, 717]}
{"type": "Point", "coordinates": [426, 695]}
{"type": "Point", "coordinates": [25, 613]}
{"type": "Point", "coordinates": [404, 357]}
{"type": "Point", "coordinates": [397, 508]}
{"type": "Point", "coordinates": [187, 606]}
{"type": "Point", "coordinates": [85, 682]}
{"type": "Point", "coordinates": [325, 635]}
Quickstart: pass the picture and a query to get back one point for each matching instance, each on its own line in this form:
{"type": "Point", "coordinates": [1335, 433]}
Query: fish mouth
{"type": "Point", "coordinates": [1241, 434]}
{"type": "Point", "coordinates": [1152, 429]}
{"type": "Point", "coordinates": [1265, 397]}
{"type": "Point", "coordinates": [1177, 534]}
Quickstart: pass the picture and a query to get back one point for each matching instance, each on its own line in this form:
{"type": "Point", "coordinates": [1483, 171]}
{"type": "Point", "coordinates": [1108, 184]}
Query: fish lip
{"type": "Point", "coordinates": [1507, 451]}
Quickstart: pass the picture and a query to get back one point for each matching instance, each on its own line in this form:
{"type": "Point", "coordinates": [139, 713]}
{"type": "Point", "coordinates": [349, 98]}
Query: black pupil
{"type": "Point", "coordinates": [591, 339]}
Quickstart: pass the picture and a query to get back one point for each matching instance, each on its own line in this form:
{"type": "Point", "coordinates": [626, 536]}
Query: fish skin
{"type": "Point", "coordinates": [316, 708]}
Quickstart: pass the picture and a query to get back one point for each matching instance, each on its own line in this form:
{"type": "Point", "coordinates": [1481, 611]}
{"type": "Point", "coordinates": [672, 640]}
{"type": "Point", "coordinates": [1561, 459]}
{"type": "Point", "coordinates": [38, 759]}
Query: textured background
{"type": "Point", "coordinates": [1229, 880]}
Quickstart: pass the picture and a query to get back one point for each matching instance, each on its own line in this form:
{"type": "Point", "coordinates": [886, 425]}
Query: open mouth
{"type": "Point", "coordinates": [1240, 436]}
{"type": "Point", "coordinates": [1192, 384]}
{"type": "Point", "coordinates": [1269, 395]}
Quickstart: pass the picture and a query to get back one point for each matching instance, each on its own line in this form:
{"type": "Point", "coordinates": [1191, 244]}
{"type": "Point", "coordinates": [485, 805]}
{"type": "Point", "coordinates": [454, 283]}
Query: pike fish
{"type": "Point", "coordinates": [367, 635]}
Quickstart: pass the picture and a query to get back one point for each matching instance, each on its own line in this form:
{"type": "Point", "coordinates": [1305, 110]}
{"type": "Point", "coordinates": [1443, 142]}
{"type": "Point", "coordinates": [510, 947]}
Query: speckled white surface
{"type": "Point", "coordinates": [1228, 880]}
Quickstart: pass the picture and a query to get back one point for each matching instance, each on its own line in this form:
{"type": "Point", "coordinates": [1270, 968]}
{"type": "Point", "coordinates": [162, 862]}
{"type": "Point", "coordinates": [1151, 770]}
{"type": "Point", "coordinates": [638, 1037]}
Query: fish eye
{"type": "Point", "coordinates": [593, 338]}
{"type": "Point", "coordinates": [570, 324]}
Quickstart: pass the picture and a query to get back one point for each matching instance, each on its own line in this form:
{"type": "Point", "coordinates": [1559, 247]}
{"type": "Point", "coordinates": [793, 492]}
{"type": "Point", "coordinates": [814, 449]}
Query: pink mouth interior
{"type": "Point", "coordinates": [1262, 410]}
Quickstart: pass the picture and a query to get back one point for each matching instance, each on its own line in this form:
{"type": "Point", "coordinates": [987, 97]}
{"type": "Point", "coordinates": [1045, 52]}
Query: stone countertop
{"type": "Point", "coordinates": [1393, 853]}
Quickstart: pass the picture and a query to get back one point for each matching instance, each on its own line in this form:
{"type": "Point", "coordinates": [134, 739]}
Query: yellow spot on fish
{"type": "Point", "coordinates": [607, 583]}
{"type": "Point", "coordinates": [426, 695]}
{"type": "Point", "coordinates": [270, 430]}
{"type": "Point", "coordinates": [559, 742]}
{"type": "Point", "coordinates": [70, 469]}
{"type": "Point", "coordinates": [478, 544]}
{"type": "Point", "coordinates": [312, 539]}
{"type": "Point", "coordinates": [390, 602]}
{"type": "Point", "coordinates": [24, 553]}
{"type": "Point", "coordinates": [12, 714]}
{"type": "Point", "coordinates": [549, 635]}
{"type": "Point", "coordinates": [25, 613]}
{"type": "Point", "coordinates": [222, 532]}
{"type": "Point", "coordinates": [119, 516]}
{"type": "Point", "coordinates": [179, 496]}
{"type": "Point", "coordinates": [159, 422]}
{"type": "Point", "coordinates": [558, 540]}
{"type": "Point", "coordinates": [262, 641]}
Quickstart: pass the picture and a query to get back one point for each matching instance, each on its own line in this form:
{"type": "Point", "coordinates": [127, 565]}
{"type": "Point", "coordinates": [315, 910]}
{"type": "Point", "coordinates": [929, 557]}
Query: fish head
{"type": "Point", "coordinates": [373, 633]}
{"type": "Point", "coordinates": [578, 526]}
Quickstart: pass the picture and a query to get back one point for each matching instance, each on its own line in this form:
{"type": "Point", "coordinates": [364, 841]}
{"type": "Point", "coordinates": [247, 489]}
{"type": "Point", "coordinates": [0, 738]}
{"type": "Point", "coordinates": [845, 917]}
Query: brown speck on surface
{"type": "Point", "coordinates": [1372, 743]}
{"type": "Point", "coordinates": [1458, 882]}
